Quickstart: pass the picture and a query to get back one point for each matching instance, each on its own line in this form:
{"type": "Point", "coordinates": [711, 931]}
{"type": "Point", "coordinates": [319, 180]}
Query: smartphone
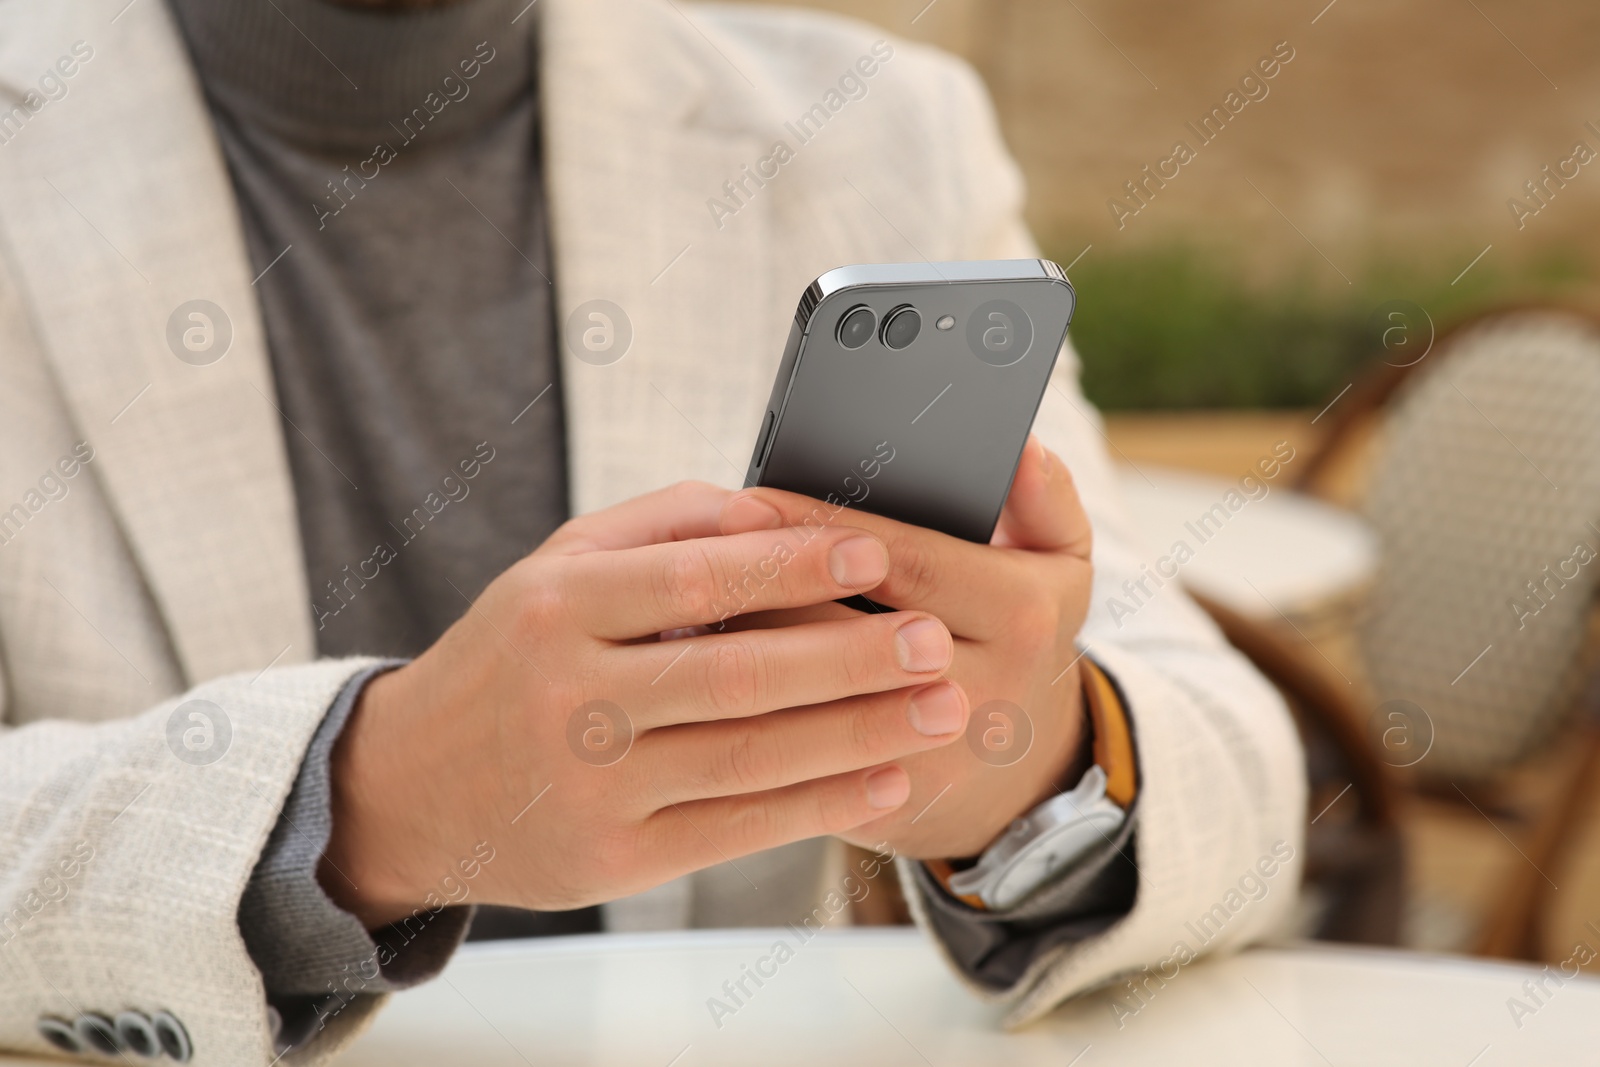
{"type": "Point", "coordinates": [908, 390]}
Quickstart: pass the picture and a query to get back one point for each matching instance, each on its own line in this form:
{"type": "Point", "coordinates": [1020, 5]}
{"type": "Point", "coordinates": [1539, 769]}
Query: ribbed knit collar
{"type": "Point", "coordinates": [335, 77]}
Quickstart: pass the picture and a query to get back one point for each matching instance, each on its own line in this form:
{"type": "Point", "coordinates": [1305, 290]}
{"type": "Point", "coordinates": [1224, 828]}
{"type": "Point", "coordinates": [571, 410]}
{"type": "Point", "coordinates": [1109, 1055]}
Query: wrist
{"type": "Point", "coordinates": [1087, 808]}
{"type": "Point", "coordinates": [1063, 749]}
{"type": "Point", "coordinates": [1103, 737]}
{"type": "Point", "coordinates": [367, 867]}
{"type": "Point", "coordinates": [1069, 757]}
{"type": "Point", "coordinates": [1078, 754]}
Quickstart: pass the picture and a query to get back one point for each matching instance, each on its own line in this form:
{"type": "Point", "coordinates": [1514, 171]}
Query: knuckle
{"type": "Point", "coordinates": [692, 489]}
{"type": "Point", "coordinates": [750, 827]}
{"type": "Point", "coordinates": [862, 662]}
{"type": "Point", "coordinates": [746, 765]}
{"type": "Point", "coordinates": [834, 806]}
{"type": "Point", "coordinates": [576, 683]}
{"type": "Point", "coordinates": [561, 539]}
{"type": "Point", "coordinates": [863, 728]}
{"type": "Point", "coordinates": [564, 696]}
{"type": "Point", "coordinates": [540, 602]}
{"type": "Point", "coordinates": [733, 678]}
{"type": "Point", "coordinates": [686, 587]}
{"type": "Point", "coordinates": [573, 529]}
{"type": "Point", "coordinates": [915, 570]}
{"type": "Point", "coordinates": [613, 855]}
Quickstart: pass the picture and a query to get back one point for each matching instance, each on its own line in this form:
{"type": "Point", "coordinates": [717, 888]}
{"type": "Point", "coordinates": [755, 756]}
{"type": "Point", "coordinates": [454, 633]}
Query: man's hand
{"type": "Point", "coordinates": [1015, 607]}
{"type": "Point", "coordinates": [489, 735]}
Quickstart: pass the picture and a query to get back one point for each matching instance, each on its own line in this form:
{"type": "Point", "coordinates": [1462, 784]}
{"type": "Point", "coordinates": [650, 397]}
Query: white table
{"type": "Point", "coordinates": [858, 998]}
{"type": "Point", "coordinates": [1282, 552]}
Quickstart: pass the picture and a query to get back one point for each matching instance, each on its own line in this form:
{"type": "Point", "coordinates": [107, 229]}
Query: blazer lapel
{"type": "Point", "coordinates": [644, 122]}
{"type": "Point", "coordinates": [117, 214]}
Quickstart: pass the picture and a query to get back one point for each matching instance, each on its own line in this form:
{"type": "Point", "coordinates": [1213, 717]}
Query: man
{"type": "Point", "coordinates": [297, 331]}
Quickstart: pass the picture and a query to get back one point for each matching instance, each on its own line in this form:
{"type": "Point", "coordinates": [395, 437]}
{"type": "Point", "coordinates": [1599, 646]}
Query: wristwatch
{"type": "Point", "coordinates": [1049, 839]}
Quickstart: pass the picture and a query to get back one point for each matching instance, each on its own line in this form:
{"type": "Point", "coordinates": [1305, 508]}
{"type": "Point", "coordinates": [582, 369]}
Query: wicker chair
{"type": "Point", "coordinates": [1485, 494]}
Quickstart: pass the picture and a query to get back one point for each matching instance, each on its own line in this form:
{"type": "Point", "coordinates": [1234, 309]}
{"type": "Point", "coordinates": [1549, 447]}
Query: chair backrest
{"type": "Point", "coordinates": [1486, 500]}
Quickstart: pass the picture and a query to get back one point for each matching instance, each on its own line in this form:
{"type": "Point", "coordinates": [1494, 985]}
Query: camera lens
{"type": "Point", "coordinates": [857, 326]}
{"type": "Point", "coordinates": [901, 327]}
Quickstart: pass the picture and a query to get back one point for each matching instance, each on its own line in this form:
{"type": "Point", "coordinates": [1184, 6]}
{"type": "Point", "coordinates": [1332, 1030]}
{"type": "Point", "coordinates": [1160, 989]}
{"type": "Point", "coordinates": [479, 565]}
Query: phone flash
{"type": "Point", "coordinates": [946, 322]}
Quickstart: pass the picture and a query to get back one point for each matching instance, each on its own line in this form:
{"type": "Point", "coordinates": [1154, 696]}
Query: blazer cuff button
{"type": "Point", "coordinates": [174, 1038]}
{"type": "Point", "coordinates": [60, 1034]}
{"type": "Point", "coordinates": [97, 1033]}
{"type": "Point", "coordinates": [138, 1034]}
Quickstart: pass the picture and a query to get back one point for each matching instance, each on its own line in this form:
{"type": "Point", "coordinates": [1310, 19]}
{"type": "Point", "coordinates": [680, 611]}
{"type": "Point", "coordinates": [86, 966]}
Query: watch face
{"type": "Point", "coordinates": [1051, 852]}
{"type": "Point", "coordinates": [1032, 865]}
{"type": "Point", "coordinates": [1027, 872]}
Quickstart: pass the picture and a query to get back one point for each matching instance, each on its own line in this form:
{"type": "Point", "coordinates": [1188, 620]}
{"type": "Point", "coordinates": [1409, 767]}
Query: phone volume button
{"type": "Point", "coordinates": [766, 438]}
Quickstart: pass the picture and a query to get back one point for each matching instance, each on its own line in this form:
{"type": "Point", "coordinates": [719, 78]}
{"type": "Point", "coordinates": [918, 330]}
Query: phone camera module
{"type": "Point", "coordinates": [901, 327]}
{"type": "Point", "coordinates": [857, 327]}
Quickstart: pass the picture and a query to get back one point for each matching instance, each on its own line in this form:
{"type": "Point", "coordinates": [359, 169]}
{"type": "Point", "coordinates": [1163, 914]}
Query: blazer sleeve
{"type": "Point", "coordinates": [1223, 793]}
{"type": "Point", "coordinates": [125, 848]}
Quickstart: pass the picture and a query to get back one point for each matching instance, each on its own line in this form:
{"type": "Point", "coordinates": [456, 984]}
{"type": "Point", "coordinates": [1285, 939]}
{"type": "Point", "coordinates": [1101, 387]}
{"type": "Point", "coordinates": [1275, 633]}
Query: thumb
{"type": "Point", "coordinates": [1043, 512]}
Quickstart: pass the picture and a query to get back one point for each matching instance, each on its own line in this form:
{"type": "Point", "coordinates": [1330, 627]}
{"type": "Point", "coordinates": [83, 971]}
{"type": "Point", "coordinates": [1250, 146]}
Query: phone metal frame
{"type": "Point", "coordinates": [870, 277]}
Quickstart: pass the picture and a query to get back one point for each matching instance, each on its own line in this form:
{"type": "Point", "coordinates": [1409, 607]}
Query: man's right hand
{"type": "Point", "coordinates": [448, 750]}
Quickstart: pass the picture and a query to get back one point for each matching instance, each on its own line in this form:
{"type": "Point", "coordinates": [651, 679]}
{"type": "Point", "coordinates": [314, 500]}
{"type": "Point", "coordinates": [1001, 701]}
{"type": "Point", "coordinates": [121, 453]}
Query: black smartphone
{"type": "Point", "coordinates": [908, 390]}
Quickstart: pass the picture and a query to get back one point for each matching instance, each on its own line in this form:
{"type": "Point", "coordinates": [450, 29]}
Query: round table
{"type": "Point", "coordinates": [1259, 549]}
{"type": "Point", "coordinates": [862, 997]}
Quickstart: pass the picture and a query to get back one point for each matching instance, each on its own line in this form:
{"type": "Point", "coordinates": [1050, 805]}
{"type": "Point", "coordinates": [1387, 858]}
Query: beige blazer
{"type": "Point", "coordinates": [166, 567]}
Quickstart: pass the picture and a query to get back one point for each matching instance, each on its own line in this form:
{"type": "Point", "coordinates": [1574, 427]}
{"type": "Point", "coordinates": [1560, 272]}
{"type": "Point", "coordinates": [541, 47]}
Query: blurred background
{"type": "Point", "coordinates": [1317, 274]}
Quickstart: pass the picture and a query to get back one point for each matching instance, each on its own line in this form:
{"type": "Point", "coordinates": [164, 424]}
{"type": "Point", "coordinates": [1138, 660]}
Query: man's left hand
{"type": "Point", "coordinates": [1014, 607]}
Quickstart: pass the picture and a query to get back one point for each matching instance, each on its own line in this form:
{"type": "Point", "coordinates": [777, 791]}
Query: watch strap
{"type": "Point", "coordinates": [1113, 740]}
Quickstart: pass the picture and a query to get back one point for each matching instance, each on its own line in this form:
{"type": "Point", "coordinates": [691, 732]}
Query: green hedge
{"type": "Point", "coordinates": [1180, 326]}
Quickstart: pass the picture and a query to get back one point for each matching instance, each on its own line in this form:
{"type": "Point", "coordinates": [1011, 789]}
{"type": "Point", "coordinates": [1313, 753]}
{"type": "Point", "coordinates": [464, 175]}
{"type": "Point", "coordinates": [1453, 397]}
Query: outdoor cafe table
{"type": "Point", "coordinates": [1260, 549]}
{"type": "Point", "coordinates": [880, 996]}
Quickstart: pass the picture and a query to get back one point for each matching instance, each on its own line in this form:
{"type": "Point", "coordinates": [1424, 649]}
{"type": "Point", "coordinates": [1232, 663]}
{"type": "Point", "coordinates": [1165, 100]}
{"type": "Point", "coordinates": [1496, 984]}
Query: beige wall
{"type": "Point", "coordinates": [1403, 125]}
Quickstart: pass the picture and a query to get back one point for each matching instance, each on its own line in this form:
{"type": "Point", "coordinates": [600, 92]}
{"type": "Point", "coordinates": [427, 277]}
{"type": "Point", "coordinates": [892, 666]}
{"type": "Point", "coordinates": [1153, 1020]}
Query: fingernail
{"type": "Point", "coordinates": [748, 513]}
{"type": "Point", "coordinates": [888, 788]}
{"type": "Point", "coordinates": [936, 710]}
{"type": "Point", "coordinates": [923, 645]}
{"type": "Point", "coordinates": [859, 563]}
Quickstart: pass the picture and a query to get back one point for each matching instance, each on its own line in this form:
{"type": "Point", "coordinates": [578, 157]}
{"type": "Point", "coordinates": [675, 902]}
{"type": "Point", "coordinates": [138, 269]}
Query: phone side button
{"type": "Point", "coordinates": [766, 438]}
